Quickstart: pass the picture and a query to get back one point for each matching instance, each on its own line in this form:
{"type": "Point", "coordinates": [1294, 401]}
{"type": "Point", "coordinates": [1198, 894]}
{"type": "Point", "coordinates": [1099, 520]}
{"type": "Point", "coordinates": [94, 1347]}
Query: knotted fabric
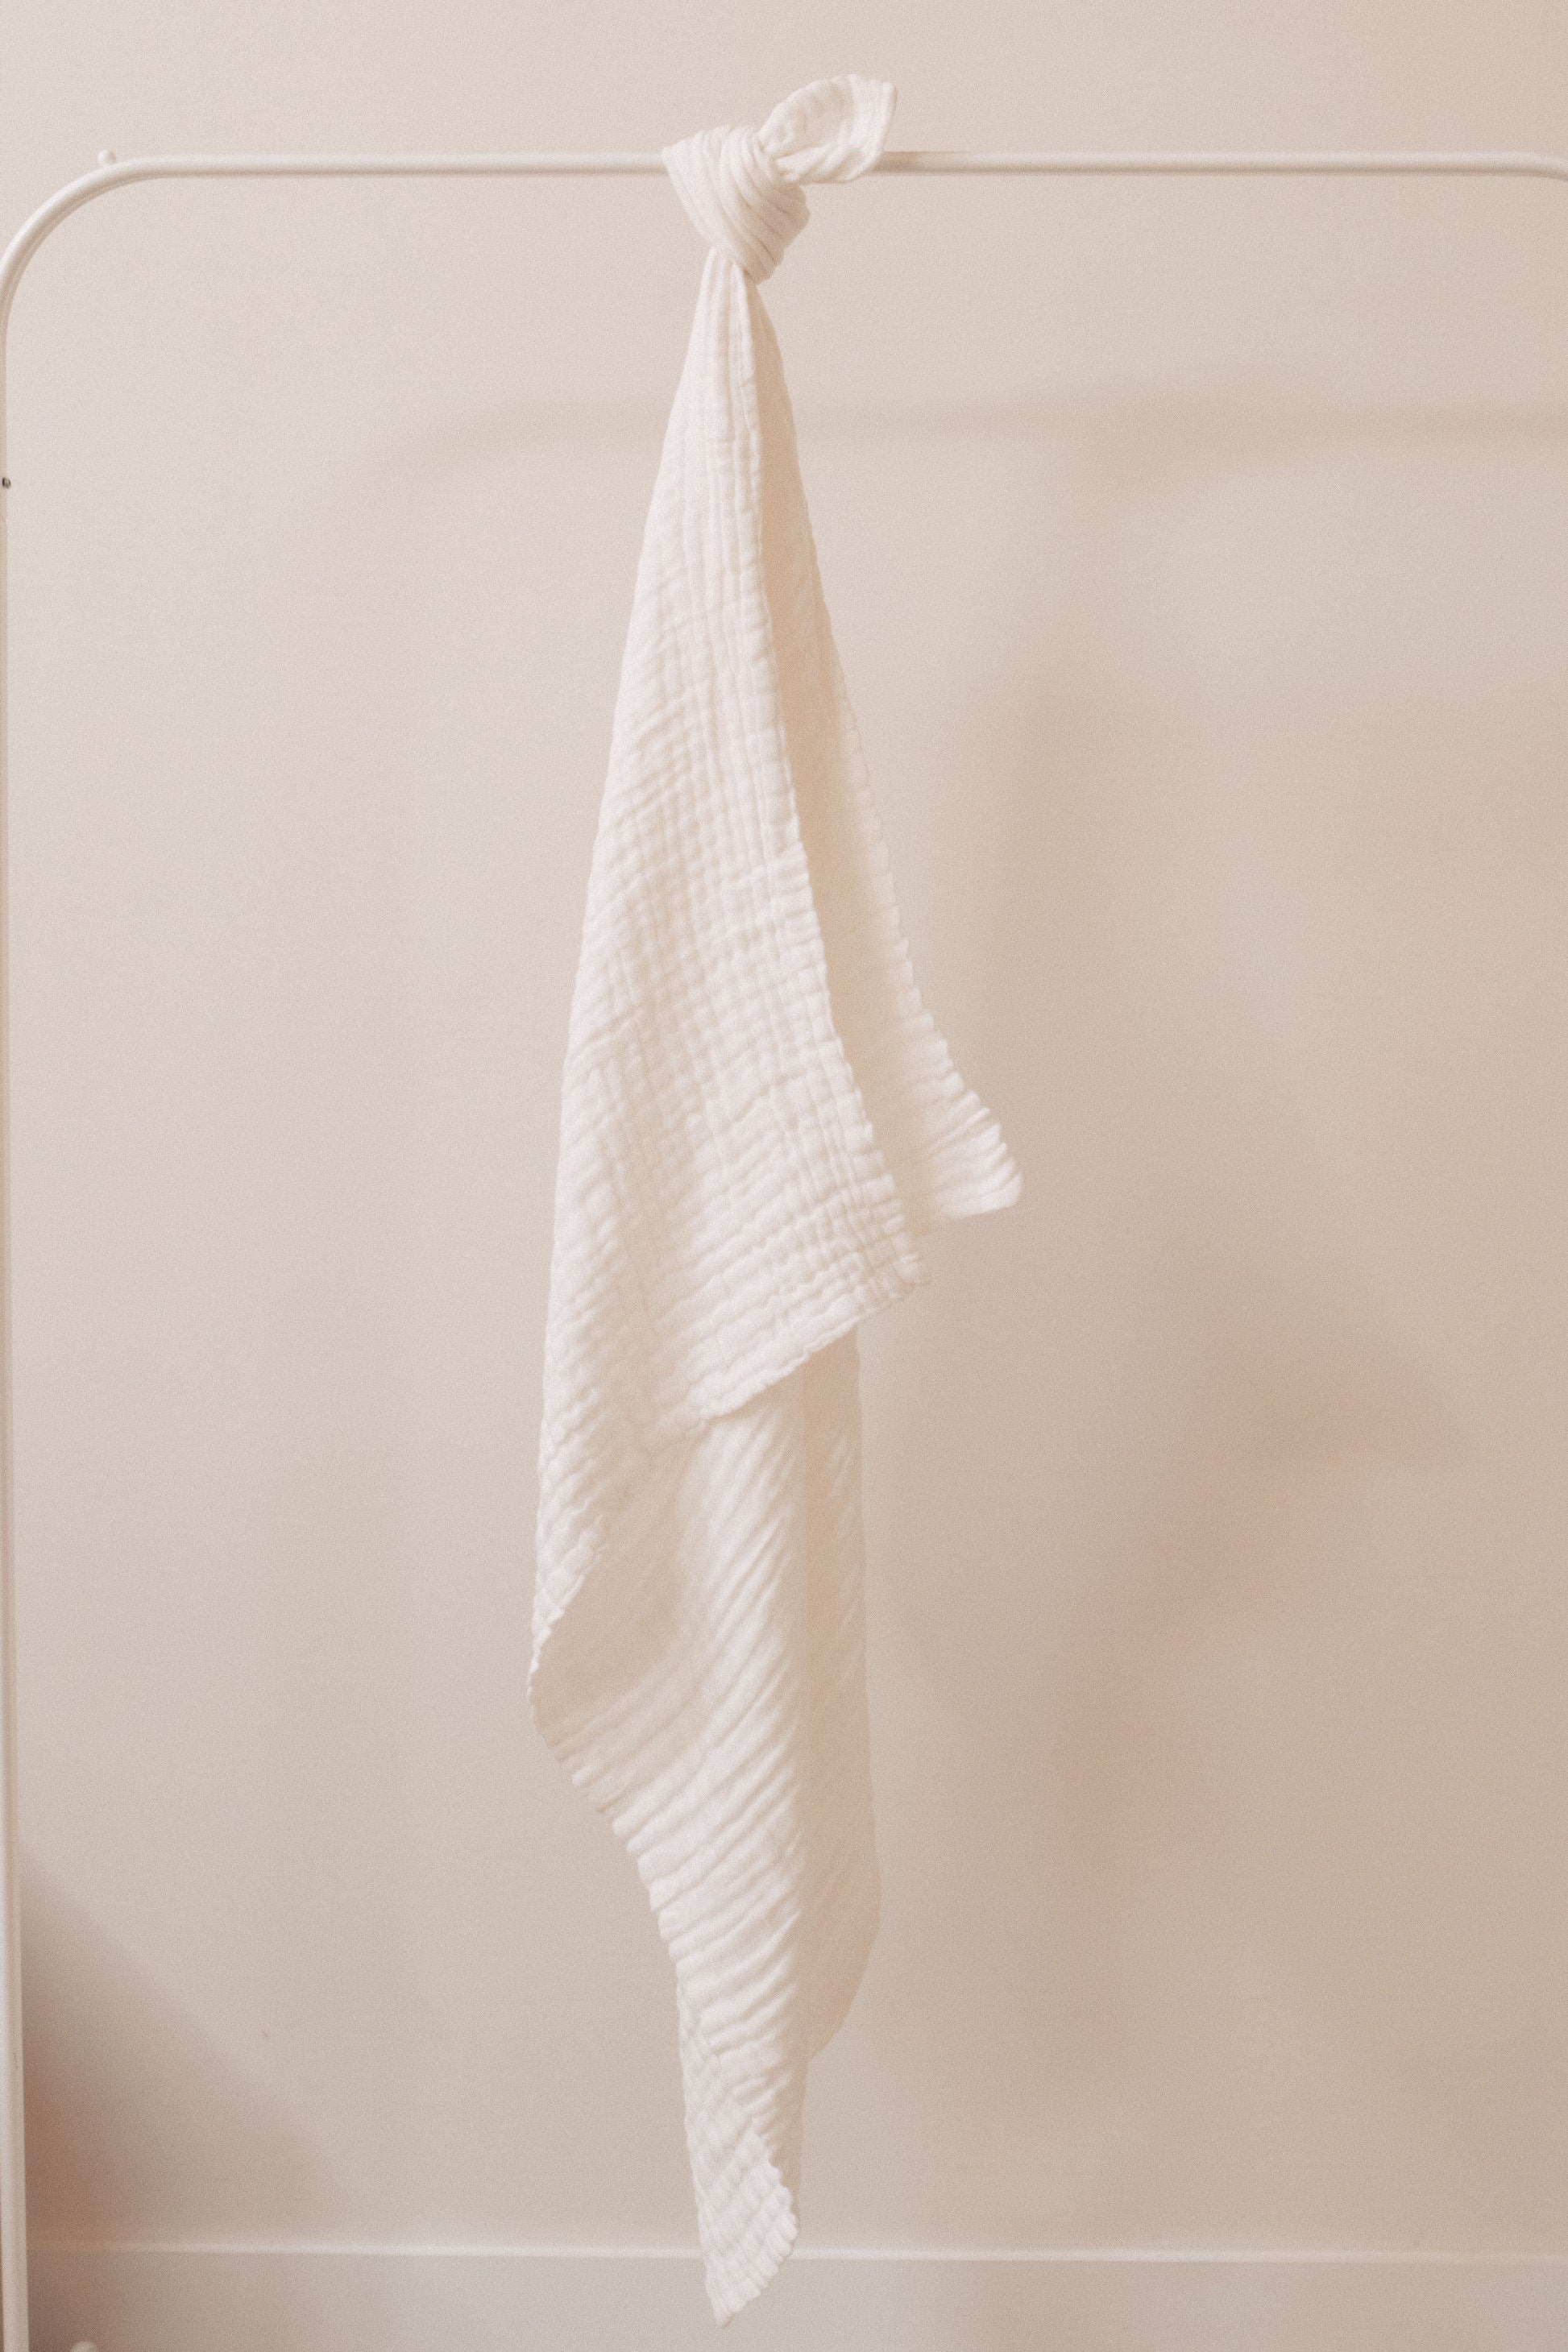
{"type": "Point", "coordinates": [758, 1119]}
{"type": "Point", "coordinates": [741, 188]}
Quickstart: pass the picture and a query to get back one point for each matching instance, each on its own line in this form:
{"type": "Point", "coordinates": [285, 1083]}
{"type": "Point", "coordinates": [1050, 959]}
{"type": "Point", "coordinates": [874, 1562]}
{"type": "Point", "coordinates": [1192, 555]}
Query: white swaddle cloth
{"type": "Point", "coordinates": [758, 1116]}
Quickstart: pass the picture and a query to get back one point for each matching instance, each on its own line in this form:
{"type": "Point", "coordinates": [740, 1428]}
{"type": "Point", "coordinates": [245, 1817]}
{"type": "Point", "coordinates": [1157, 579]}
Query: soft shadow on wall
{"type": "Point", "coordinates": [125, 2088]}
{"type": "Point", "coordinates": [1159, 1684]}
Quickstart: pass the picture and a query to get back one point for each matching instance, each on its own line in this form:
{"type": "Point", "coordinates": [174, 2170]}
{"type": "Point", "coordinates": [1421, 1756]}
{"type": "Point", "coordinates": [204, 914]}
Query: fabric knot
{"type": "Point", "coordinates": [741, 188]}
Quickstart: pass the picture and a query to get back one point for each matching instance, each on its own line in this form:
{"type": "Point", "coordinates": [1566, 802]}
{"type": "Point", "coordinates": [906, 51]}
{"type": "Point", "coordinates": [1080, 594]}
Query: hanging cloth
{"type": "Point", "coordinates": [758, 1118]}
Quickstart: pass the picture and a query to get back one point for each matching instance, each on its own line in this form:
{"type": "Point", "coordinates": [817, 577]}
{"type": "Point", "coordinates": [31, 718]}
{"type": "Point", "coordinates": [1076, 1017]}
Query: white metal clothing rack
{"type": "Point", "coordinates": [110, 175]}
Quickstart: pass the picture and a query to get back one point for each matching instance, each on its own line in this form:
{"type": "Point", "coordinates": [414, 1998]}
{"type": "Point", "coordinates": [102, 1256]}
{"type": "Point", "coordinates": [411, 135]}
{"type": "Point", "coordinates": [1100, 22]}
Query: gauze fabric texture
{"type": "Point", "coordinates": [758, 1118]}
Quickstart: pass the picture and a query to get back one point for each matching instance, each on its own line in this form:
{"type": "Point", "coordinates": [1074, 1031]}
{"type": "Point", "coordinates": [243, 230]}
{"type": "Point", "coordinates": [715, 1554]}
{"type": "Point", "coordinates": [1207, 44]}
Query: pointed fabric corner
{"type": "Point", "coordinates": [758, 1118]}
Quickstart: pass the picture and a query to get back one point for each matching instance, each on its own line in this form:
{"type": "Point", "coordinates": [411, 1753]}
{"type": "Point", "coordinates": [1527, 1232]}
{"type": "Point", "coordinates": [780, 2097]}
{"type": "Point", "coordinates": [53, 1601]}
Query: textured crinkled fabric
{"type": "Point", "coordinates": [758, 1118]}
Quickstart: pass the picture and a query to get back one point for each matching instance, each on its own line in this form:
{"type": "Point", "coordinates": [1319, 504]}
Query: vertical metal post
{"type": "Point", "coordinates": [13, 2164]}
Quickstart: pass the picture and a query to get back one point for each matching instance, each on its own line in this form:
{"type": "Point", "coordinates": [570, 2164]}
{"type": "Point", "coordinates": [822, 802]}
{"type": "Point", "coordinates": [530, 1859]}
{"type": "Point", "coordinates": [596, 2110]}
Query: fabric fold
{"type": "Point", "coordinates": [759, 1118]}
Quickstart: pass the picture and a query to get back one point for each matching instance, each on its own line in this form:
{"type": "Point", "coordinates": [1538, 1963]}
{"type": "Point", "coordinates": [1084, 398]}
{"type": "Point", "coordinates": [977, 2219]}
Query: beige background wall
{"type": "Point", "coordinates": [1196, 554]}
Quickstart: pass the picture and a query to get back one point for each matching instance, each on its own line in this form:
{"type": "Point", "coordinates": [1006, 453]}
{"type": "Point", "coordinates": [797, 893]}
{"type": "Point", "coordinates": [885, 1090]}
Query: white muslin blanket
{"type": "Point", "coordinates": [758, 1118]}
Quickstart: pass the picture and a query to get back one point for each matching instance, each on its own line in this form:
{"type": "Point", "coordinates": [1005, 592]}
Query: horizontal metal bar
{"type": "Point", "coordinates": [1504, 164]}
{"type": "Point", "coordinates": [1329, 163]}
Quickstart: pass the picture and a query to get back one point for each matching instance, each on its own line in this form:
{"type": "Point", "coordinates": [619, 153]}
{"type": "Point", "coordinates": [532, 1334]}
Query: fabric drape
{"type": "Point", "coordinates": [758, 1120]}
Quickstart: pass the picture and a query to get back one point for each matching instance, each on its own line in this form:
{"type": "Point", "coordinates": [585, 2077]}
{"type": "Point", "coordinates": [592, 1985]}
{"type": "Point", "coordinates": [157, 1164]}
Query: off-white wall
{"type": "Point", "coordinates": [1197, 558]}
